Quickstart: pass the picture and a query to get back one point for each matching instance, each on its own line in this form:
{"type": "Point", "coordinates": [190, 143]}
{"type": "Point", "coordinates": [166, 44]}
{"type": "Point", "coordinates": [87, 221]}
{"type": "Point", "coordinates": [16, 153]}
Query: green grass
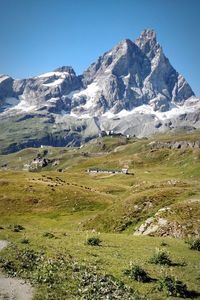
{"type": "Point", "coordinates": [61, 211]}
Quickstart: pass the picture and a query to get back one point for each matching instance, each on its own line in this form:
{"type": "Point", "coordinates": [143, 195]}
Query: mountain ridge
{"type": "Point", "coordinates": [132, 89]}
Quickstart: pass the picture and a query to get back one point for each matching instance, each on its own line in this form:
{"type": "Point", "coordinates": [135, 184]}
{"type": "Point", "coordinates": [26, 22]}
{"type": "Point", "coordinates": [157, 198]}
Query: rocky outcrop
{"type": "Point", "coordinates": [179, 220]}
{"type": "Point", "coordinates": [174, 145]}
{"type": "Point", "coordinates": [40, 162]}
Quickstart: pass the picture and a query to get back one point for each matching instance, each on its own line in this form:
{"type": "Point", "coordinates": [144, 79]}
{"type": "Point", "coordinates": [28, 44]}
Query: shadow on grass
{"type": "Point", "coordinates": [193, 294]}
{"type": "Point", "coordinates": [178, 264]}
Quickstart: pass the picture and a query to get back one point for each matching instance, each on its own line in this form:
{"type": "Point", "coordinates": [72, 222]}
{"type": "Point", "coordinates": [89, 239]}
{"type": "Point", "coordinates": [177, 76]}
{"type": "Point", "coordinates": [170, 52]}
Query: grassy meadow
{"type": "Point", "coordinates": [48, 216]}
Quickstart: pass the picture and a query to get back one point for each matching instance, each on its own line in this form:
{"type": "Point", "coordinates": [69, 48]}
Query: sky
{"type": "Point", "coordinates": [37, 36]}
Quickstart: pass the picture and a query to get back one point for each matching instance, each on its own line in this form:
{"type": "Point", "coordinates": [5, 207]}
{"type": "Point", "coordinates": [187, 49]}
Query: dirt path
{"type": "Point", "coordinates": [13, 288]}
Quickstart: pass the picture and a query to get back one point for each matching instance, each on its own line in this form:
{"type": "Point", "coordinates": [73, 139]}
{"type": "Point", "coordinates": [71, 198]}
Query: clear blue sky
{"type": "Point", "coordinates": [37, 36]}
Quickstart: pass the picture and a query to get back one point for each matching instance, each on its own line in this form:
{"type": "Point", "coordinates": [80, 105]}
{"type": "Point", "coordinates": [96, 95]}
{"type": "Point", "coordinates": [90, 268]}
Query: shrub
{"type": "Point", "coordinates": [9, 267]}
{"type": "Point", "coordinates": [61, 278]}
{"type": "Point", "coordinates": [160, 258]}
{"type": "Point", "coordinates": [17, 228]}
{"type": "Point", "coordinates": [98, 286]}
{"type": "Point", "coordinates": [49, 235]}
{"type": "Point", "coordinates": [172, 287]}
{"type": "Point", "coordinates": [25, 241]}
{"type": "Point", "coordinates": [137, 273]}
{"type": "Point", "coordinates": [28, 259]}
{"type": "Point", "coordinates": [163, 244]}
{"type": "Point", "coordinates": [195, 245]}
{"type": "Point", "coordinates": [94, 241]}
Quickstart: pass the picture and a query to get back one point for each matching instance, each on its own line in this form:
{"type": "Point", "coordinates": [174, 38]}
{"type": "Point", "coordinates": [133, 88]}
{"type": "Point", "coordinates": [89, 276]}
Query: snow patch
{"type": "Point", "coordinates": [24, 106]}
{"type": "Point", "coordinates": [3, 77]}
{"type": "Point", "coordinates": [108, 115]}
{"type": "Point", "coordinates": [109, 53]}
{"type": "Point", "coordinates": [52, 100]}
{"type": "Point", "coordinates": [108, 70]}
{"type": "Point", "coordinates": [190, 105]}
{"type": "Point", "coordinates": [90, 93]}
{"type": "Point", "coordinates": [82, 116]}
{"type": "Point", "coordinates": [54, 83]}
{"type": "Point", "coordinates": [127, 76]}
{"type": "Point", "coordinates": [51, 74]}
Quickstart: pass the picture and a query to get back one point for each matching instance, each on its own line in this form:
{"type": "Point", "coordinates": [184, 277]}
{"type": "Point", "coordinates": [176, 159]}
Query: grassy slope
{"type": "Point", "coordinates": [73, 203]}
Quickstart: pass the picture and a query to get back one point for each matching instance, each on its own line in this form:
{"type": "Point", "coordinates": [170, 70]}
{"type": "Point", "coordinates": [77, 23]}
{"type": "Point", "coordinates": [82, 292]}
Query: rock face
{"type": "Point", "coordinates": [175, 145]}
{"type": "Point", "coordinates": [132, 89]}
{"type": "Point", "coordinates": [173, 221]}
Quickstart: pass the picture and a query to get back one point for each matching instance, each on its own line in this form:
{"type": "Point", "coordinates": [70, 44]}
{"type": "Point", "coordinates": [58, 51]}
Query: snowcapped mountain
{"type": "Point", "coordinates": [132, 89]}
{"type": "Point", "coordinates": [134, 74]}
{"type": "Point", "coordinates": [47, 91]}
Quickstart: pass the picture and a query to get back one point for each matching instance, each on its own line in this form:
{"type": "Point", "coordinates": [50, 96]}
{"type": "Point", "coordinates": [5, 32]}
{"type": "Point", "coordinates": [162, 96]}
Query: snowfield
{"type": "Point", "coordinates": [190, 105]}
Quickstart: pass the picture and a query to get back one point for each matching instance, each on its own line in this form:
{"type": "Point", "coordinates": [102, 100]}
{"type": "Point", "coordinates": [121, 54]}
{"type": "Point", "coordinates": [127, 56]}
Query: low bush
{"type": "Point", "coordinates": [161, 258]}
{"type": "Point", "coordinates": [60, 278]}
{"type": "Point", "coordinates": [195, 245]}
{"type": "Point", "coordinates": [94, 241]}
{"type": "Point", "coordinates": [49, 235]}
{"type": "Point", "coordinates": [163, 244]}
{"type": "Point", "coordinates": [97, 286]}
{"type": "Point", "coordinates": [25, 241]}
{"type": "Point", "coordinates": [28, 259]}
{"type": "Point", "coordinates": [137, 273]}
{"type": "Point", "coordinates": [8, 266]}
{"type": "Point", "coordinates": [172, 287]}
{"type": "Point", "coordinates": [17, 228]}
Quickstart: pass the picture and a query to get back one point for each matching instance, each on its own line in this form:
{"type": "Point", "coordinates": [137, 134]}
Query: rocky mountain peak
{"type": "Point", "coordinates": [147, 42]}
{"type": "Point", "coordinates": [124, 44]}
{"type": "Point", "coordinates": [148, 34]}
{"type": "Point", "coordinates": [67, 69]}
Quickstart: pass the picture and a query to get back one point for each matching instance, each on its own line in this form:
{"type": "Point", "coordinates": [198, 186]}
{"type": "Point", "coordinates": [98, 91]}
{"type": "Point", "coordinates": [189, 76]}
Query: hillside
{"type": "Point", "coordinates": [48, 192]}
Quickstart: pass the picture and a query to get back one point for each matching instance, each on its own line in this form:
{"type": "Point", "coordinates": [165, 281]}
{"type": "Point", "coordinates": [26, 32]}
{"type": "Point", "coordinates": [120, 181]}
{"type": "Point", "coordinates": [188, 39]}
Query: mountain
{"type": "Point", "coordinates": [45, 92]}
{"type": "Point", "coordinates": [131, 89]}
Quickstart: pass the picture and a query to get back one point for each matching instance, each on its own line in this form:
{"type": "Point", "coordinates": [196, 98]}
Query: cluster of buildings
{"type": "Point", "coordinates": [97, 170]}
{"type": "Point", "coordinates": [112, 133]}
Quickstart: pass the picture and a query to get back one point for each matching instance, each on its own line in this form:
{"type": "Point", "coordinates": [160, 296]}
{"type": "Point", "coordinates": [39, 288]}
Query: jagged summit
{"type": "Point", "coordinates": [67, 69]}
{"type": "Point", "coordinates": [147, 42]}
{"type": "Point", "coordinates": [148, 34]}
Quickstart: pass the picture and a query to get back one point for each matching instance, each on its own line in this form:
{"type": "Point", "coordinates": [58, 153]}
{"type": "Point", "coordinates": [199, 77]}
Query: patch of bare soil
{"type": "Point", "coordinates": [13, 288]}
